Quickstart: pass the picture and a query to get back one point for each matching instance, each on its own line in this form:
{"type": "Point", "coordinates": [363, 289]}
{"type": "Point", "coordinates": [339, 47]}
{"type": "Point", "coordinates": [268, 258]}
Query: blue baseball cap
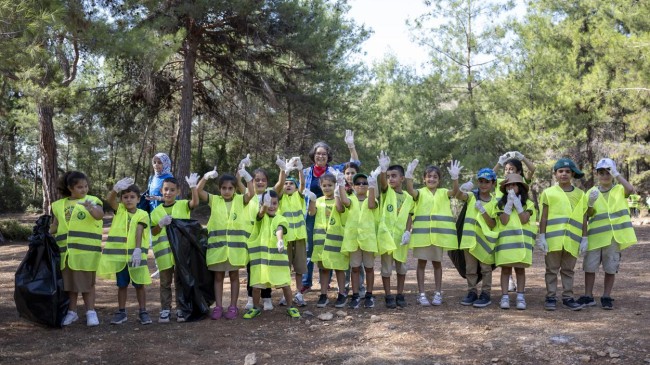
{"type": "Point", "coordinates": [487, 174]}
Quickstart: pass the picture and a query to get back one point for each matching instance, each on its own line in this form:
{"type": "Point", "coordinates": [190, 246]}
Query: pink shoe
{"type": "Point", "coordinates": [217, 312]}
{"type": "Point", "coordinates": [231, 313]}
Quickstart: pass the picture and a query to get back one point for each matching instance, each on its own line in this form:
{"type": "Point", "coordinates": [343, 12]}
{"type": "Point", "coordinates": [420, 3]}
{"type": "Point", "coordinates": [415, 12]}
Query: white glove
{"type": "Point", "coordinates": [454, 169]}
{"type": "Point", "coordinates": [410, 168]}
{"type": "Point", "coordinates": [517, 203]}
{"type": "Point", "coordinates": [211, 174]}
{"type": "Point", "coordinates": [243, 173]}
{"type": "Point", "coordinates": [281, 163]}
{"type": "Point", "coordinates": [406, 238]}
{"type": "Point", "coordinates": [612, 169]}
{"type": "Point", "coordinates": [88, 204]}
{"type": "Point", "coordinates": [280, 246]}
{"type": "Point", "coordinates": [122, 184]}
{"type": "Point", "coordinates": [376, 172]}
{"type": "Point", "coordinates": [192, 180]}
{"type": "Point", "coordinates": [467, 187]}
{"type": "Point", "coordinates": [541, 243]}
{"type": "Point", "coordinates": [511, 155]}
{"type": "Point", "coordinates": [309, 194]}
{"type": "Point", "coordinates": [509, 203]}
{"type": "Point", "coordinates": [164, 221]}
{"type": "Point", "coordinates": [372, 182]}
{"type": "Point", "coordinates": [503, 158]}
{"type": "Point", "coordinates": [337, 191]}
{"type": "Point", "coordinates": [518, 155]}
{"type": "Point", "coordinates": [583, 246]}
{"type": "Point", "coordinates": [340, 178]}
{"type": "Point", "coordinates": [479, 206]}
{"type": "Point", "coordinates": [349, 138]}
{"type": "Point", "coordinates": [384, 161]}
{"type": "Point", "coordinates": [136, 257]}
{"type": "Point", "coordinates": [245, 162]}
{"type": "Point", "coordinates": [296, 163]}
{"type": "Point", "coordinates": [267, 200]}
{"type": "Point", "coordinates": [593, 196]}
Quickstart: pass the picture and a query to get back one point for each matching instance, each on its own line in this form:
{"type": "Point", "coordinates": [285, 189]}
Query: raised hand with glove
{"type": "Point", "coordinates": [349, 138]}
{"type": "Point", "coordinates": [122, 184]}
{"type": "Point", "coordinates": [384, 161]}
{"type": "Point", "coordinates": [243, 173]}
{"type": "Point", "coordinates": [467, 187]}
{"type": "Point", "coordinates": [192, 180]}
{"type": "Point", "coordinates": [517, 155]}
{"type": "Point", "coordinates": [454, 169]}
{"type": "Point", "coordinates": [517, 202]}
{"type": "Point", "coordinates": [309, 194]}
{"type": "Point", "coordinates": [340, 178]}
{"type": "Point", "coordinates": [136, 257]}
{"type": "Point", "coordinates": [612, 168]}
{"type": "Point", "coordinates": [593, 196]}
{"type": "Point", "coordinates": [503, 158]}
{"type": "Point", "coordinates": [282, 164]}
{"type": "Point", "coordinates": [410, 168]}
{"type": "Point", "coordinates": [266, 201]}
{"type": "Point", "coordinates": [245, 162]}
{"type": "Point", "coordinates": [211, 174]}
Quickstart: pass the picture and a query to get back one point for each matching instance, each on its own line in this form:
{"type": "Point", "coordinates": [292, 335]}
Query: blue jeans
{"type": "Point", "coordinates": [308, 277]}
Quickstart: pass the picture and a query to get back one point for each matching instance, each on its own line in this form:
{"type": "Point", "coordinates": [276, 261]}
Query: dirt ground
{"type": "Point", "coordinates": [449, 334]}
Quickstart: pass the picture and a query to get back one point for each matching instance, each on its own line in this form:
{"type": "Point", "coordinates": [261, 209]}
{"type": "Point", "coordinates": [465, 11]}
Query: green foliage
{"type": "Point", "coordinates": [14, 230]}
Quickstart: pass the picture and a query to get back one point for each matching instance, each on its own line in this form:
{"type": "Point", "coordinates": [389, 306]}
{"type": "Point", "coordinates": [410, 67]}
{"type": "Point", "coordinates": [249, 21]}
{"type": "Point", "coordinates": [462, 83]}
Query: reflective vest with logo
{"type": "Point", "coordinates": [392, 224]}
{"type": "Point", "coordinates": [433, 223]}
{"type": "Point", "coordinates": [293, 208]}
{"type": "Point", "coordinates": [331, 257]}
{"type": "Point", "coordinates": [563, 225]}
{"type": "Point", "coordinates": [161, 249]}
{"type": "Point", "coordinates": [515, 242]}
{"type": "Point", "coordinates": [477, 237]}
{"type": "Point", "coordinates": [611, 219]}
{"type": "Point", "coordinates": [120, 244]}
{"type": "Point", "coordinates": [269, 267]}
{"type": "Point", "coordinates": [360, 227]}
{"type": "Point", "coordinates": [80, 239]}
{"type": "Point", "coordinates": [227, 234]}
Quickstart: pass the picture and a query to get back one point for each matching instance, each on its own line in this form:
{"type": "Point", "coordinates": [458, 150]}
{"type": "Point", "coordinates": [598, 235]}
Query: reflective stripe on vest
{"type": "Point", "coordinates": [604, 226]}
{"type": "Point", "coordinates": [433, 223]}
{"type": "Point", "coordinates": [331, 257]}
{"type": "Point", "coordinates": [392, 224]}
{"type": "Point", "coordinates": [293, 208]}
{"type": "Point", "coordinates": [515, 241]}
{"type": "Point", "coordinates": [320, 228]}
{"type": "Point", "coordinates": [360, 228]}
{"type": "Point", "coordinates": [478, 238]}
{"type": "Point", "coordinates": [161, 248]}
{"type": "Point", "coordinates": [227, 234]}
{"type": "Point", "coordinates": [268, 267]}
{"type": "Point", "coordinates": [564, 224]}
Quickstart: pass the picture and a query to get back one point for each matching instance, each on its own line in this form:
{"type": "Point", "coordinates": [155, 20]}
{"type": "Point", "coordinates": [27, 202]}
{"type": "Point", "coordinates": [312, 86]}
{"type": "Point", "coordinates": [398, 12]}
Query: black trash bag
{"type": "Point", "coordinates": [189, 242]}
{"type": "Point", "coordinates": [39, 293]}
{"type": "Point", "coordinates": [457, 257]}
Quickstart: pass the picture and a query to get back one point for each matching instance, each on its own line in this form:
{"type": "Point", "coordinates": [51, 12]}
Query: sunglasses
{"type": "Point", "coordinates": [361, 183]}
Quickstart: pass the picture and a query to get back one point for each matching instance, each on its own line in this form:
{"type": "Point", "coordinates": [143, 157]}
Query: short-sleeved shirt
{"type": "Point", "coordinates": [186, 203]}
{"type": "Point", "coordinates": [574, 196]}
{"type": "Point", "coordinates": [228, 204]}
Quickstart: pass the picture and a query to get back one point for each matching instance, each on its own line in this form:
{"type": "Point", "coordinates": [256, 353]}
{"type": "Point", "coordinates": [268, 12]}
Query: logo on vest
{"type": "Point", "coordinates": [234, 216]}
{"type": "Point", "coordinates": [332, 221]}
{"type": "Point", "coordinates": [81, 215]}
{"type": "Point", "coordinates": [390, 207]}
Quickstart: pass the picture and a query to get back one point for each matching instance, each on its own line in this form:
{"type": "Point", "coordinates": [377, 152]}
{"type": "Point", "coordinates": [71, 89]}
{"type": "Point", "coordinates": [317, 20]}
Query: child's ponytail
{"type": "Point", "coordinates": [70, 178]}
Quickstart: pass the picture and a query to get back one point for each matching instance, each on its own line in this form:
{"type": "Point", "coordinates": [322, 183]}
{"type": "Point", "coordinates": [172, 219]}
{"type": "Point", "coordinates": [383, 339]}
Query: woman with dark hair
{"type": "Point", "coordinates": [321, 157]}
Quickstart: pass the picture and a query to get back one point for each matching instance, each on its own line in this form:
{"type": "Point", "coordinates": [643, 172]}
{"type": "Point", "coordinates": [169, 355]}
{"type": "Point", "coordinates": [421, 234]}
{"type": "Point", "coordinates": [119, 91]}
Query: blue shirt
{"type": "Point", "coordinates": [154, 186]}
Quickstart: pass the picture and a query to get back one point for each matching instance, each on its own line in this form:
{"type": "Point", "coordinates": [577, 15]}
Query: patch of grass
{"type": "Point", "coordinates": [13, 230]}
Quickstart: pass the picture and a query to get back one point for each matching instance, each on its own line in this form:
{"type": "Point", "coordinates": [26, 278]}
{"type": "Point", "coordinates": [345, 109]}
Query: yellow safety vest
{"type": "Point", "coordinates": [227, 233]}
{"type": "Point", "coordinates": [393, 224]}
{"type": "Point", "coordinates": [611, 219]}
{"type": "Point", "coordinates": [331, 257]}
{"type": "Point", "coordinates": [269, 267]}
{"type": "Point", "coordinates": [563, 225]}
{"type": "Point", "coordinates": [80, 239]}
{"type": "Point", "coordinates": [120, 244]}
{"type": "Point", "coordinates": [320, 227]}
{"type": "Point", "coordinates": [161, 249]}
{"type": "Point", "coordinates": [516, 241]}
{"type": "Point", "coordinates": [360, 228]}
{"type": "Point", "coordinates": [433, 223]}
{"type": "Point", "coordinates": [293, 208]}
{"type": "Point", "coordinates": [634, 200]}
{"type": "Point", "coordinates": [477, 237]}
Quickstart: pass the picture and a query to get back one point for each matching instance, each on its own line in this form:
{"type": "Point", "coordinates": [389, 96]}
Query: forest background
{"type": "Point", "coordinates": [101, 86]}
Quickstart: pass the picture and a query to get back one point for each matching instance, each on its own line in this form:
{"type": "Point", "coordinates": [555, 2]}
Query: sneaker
{"type": "Point", "coordinates": [390, 301]}
{"type": "Point", "coordinates": [91, 318]}
{"type": "Point", "coordinates": [340, 301]}
{"type": "Point", "coordinates": [119, 317]}
{"type": "Point", "coordinates": [268, 304]}
{"type": "Point", "coordinates": [521, 302]}
{"type": "Point", "coordinates": [469, 299]}
{"type": "Point", "coordinates": [606, 303]}
{"type": "Point", "coordinates": [436, 299]}
{"type": "Point", "coordinates": [482, 301]}
{"type": "Point", "coordinates": [322, 301]}
{"type": "Point", "coordinates": [355, 302]}
{"type": "Point", "coordinates": [144, 317]}
{"type": "Point", "coordinates": [512, 287]}
{"type": "Point", "coordinates": [180, 317]}
{"type": "Point", "coordinates": [550, 304]}
{"type": "Point", "coordinates": [299, 300]}
{"type": "Point", "coordinates": [217, 313]}
{"type": "Point", "coordinates": [293, 312]}
{"type": "Point", "coordinates": [164, 316]}
{"type": "Point", "coordinates": [423, 301]}
{"type": "Point", "coordinates": [252, 313]}
{"type": "Point", "coordinates": [572, 304]}
{"type": "Point", "coordinates": [400, 300]}
{"type": "Point", "coordinates": [369, 301]}
{"type": "Point", "coordinates": [586, 301]}
{"type": "Point", "coordinates": [283, 301]}
{"type": "Point", "coordinates": [505, 302]}
{"type": "Point", "coordinates": [155, 275]}
{"type": "Point", "coordinates": [69, 318]}
{"type": "Point", "coordinates": [249, 303]}
{"type": "Point", "coordinates": [231, 313]}
{"type": "Point", "coordinates": [362, 291]}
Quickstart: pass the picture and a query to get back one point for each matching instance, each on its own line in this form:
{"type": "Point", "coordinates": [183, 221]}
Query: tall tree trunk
{"type": "Point", "coordinates": [187, 103]}
{"type": "Point", "coordinates": [287, 141]}
{"type": "Point", "coordinates": [47, 147]}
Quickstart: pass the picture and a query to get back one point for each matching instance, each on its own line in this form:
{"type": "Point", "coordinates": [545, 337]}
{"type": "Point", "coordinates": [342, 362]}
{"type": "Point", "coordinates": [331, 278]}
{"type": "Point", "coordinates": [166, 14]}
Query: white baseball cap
{"type": "Point", "coordinates": [605, 163]}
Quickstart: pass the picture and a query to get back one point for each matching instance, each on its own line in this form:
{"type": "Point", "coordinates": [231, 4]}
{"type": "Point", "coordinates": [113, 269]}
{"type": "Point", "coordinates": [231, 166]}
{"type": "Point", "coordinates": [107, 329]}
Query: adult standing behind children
{"type": "Point", "coordinates": [162, 166]}
{"type": "Point", "coordinates": [321, 157]}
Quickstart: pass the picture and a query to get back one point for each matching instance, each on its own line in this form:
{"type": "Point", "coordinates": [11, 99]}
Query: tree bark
{"type": "Point", "coordinates": [47, 147]}
{"type": "Point", "coordinates": [185, 118]}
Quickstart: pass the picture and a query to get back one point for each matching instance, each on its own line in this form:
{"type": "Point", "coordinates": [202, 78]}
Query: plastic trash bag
{"type": "Point", "coordinates": [457, 257]}
{"type": "Point", "coordinates": [189, 241]}
{"type": "Point", "coordinates": [39, 293]}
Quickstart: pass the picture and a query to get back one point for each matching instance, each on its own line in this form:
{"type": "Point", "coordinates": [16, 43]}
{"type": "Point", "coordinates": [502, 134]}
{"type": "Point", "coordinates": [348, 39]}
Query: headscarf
{"type": "Point", "coordinates": [166, 162]}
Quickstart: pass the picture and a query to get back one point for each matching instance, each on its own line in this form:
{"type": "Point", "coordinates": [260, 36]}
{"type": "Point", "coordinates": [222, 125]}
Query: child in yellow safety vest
{"type": "Point", "coordinates": [434, 228]}
{"type": "Point", "coordinates": [609, 230]}
{"type": "Point", "coordinates": [562, 232]}
{"type": "Point", "coordinates": [478, 236]}
{"type": "Point", "coordinates": [269, 265]}
{"type": "Point", "coordinates": [161, 217]}
{"type": "Point", "coordinates": [77, 227]}
{"type": "Point", "coordinates": [515, 216]}
{"type": "Point", "coordinates": [227, 235]}
{"type": "Point", "coordinates": [124, 257]}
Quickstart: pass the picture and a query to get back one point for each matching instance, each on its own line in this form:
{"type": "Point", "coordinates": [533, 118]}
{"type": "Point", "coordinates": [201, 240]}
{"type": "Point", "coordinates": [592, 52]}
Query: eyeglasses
{"type": "Point", "coordinates": [361, 183]}
{"type": "Point", "coordinates": [321, 154]}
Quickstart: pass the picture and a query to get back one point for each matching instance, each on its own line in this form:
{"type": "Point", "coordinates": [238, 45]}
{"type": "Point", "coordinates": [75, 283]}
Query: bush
{"type": "Point", "coordinates": [15, 231]}
{"type": "Point", "coordinates": [11, 199]}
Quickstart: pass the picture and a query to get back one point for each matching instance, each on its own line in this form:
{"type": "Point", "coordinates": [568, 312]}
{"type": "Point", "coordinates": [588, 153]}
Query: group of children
{"type": "Point", "coordinates": [358, 218]}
